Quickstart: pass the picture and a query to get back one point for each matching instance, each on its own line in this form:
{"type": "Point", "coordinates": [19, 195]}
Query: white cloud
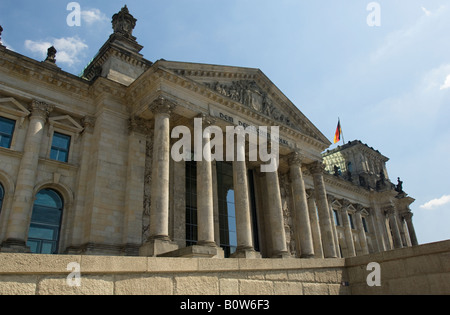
{"type": "Point", "coordinates": [69, 49]}
{"type": "Point", "coordinates": [93, 15]}
{"type": "Point", "coordinates": [435, 203]}
{"type": "Point", "coordinates": [427, 12]}
{"type": "Point", "coordinates": [446, 84]}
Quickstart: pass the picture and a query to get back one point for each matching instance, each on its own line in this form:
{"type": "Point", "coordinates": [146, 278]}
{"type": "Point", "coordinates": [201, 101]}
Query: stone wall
{"type": "Point", "coordinates": [414, 270]}
{"type": "Point", "coordinates": [419, 270]}
{"type": "Point", "coordinates": [42, 275]}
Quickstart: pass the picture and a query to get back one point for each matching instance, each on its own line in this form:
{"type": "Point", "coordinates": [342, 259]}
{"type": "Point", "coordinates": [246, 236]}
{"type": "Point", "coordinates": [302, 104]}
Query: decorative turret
{"type": "Point", "coordinates": [119, 59]}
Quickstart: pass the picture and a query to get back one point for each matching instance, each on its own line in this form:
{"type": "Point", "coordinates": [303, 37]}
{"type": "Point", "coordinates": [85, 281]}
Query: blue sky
{"type": "Point", "coordinates": [389, 84]}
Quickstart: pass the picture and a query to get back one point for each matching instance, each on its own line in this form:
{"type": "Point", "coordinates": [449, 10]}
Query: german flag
{"type": "Point", "coordinates": [338, 135]}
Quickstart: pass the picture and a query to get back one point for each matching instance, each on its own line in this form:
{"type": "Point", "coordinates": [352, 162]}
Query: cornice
{"type": "Point", "coordinates": [22, 66]}
{"type": "Point", "coordinates": [157, 74]}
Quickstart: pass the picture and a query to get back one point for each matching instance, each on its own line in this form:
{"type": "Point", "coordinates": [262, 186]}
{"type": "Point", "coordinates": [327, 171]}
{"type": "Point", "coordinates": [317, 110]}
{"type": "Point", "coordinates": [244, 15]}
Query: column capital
{"type": "Point", "coordinates": [207, 120]}
{"type": "Point", "coordinates": [389, 210]}
{"type": "Point", "coordinates": [295, 158]}
{"type": "Point", "coordinates": [88, 123]}
{"type": "Point", "coordinates": [359, 208]}
{"type": "Point", "coordinates": [345, 204]}
{"type": "Point", "coordinates": [316, 167]}
{"type": "Point", "coordinates": [162, 106]}
{"type": "Point", "coordinates": [408, 215]}
{"type": "Point", "coordinates": [41, 109]}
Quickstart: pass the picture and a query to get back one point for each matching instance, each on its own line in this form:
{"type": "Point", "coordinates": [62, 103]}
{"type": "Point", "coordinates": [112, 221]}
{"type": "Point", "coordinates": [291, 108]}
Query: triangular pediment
{"type": "Point", "coordinates": [12, 106]}
{"type": "Point", "coordinates": [65, 122]}
{"type": "Point", "coordinates": [251, 88]}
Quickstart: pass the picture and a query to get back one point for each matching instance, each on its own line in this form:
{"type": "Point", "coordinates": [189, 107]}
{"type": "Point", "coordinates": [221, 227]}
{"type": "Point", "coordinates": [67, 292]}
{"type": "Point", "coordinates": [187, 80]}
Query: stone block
{"type": "Point", "coordinates": [315, 289]}
{"type": "Point", "coordinates": [143, 285]}
{"type": "Point", "coordinates": [229, 286]}
{"type": "Point", "coordinates": [287, 288]}
{"type": "Point", "coordinates": [254, 287]}
{"type": "Point", "coordinates": [18, 285]}
{"type": "Point", "coordinates": [90, 285]}
{"type": "Point", "coordinates": [196, 285]}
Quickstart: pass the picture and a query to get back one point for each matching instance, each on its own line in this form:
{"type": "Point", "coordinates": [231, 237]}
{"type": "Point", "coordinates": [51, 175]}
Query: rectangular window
{"type": "Point", "coordinates": [6, 132]}
{"type": "Point", "coordinates": [365, 225]}
{"type": "Point", "coordinates": [350, 218]}
{"type": "Point", "coordinates": [336, 218]}
{"type": "Point", "coordinates": [227, 214]}
{"type": "Point", "coordinates": [60, 147]}
{"type": "Point", "coordinates": [191, 204]}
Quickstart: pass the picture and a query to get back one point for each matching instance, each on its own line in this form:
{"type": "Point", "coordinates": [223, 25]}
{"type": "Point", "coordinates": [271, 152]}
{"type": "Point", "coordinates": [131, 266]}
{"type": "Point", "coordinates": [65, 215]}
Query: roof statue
{"type": "Point", "coordinates": [124, 23]}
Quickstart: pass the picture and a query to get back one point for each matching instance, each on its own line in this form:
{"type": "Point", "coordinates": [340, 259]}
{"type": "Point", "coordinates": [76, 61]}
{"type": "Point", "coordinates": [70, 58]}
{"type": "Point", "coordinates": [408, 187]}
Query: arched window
{"type": "Point", "coordinates": [2, 196]}
{"type": "Point", "coordinates": [45, 226]}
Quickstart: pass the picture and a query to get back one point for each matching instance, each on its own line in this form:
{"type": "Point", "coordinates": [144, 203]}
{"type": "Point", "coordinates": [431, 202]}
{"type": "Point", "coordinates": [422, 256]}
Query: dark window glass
{"type": "Point", "coordinates": [364, 222]}
{"type": "Point", "coordinates": [336, 218]}
{"type": "Point", "coordinates": [227, 213]}
{"type": "Point", "coordinates": [6, 132]}
{"type": "Point", "coordinates": [191, 204]}
{"type": "Point", "coordinates": [350, 218]}
{"type": "Point", "coordinates": [60, 147]}
{"type": "Point", "coordinates": [45, 226]}
{"type": "Point", "coordinates": [2, 196]}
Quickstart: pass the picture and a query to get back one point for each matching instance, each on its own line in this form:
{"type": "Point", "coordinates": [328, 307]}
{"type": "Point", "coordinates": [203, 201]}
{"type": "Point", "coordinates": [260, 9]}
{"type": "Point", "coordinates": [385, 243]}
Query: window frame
{"type": "Point", "coordinates": [2, 196]}
{"type": "Point", "coordinates": [56, 242]}
{"type": "Point", "coordinates": [70, 144]}
{"type": "Point", "coordinates": [11, 140]}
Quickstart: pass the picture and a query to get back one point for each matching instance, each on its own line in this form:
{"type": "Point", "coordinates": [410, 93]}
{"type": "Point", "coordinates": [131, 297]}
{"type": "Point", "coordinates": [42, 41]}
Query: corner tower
{"type": "Point", "coordinates": [119, 59]}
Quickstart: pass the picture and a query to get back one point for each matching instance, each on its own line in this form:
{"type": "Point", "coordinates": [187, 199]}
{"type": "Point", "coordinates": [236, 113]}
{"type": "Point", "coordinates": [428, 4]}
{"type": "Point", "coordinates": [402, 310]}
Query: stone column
{"type": "Point", "coordinates": [393, 223]}
{"type": "Point", "coordinates": [412, 232]}
{"type": "Point", "coordinates": [245, 246]}
{"type": "Point", "coordinates": [329, 247]}
{"type": "Point", "coordinates": [314, 222]}
{"type": "Point", "coordinates": [205, 202]}
{"type": "Point", "coordinates": [159, 240]}
{"type": "Point", "coordinates": [276, 219]}
{"type": "Point", "coordinates": [361, 232]}
{"type": "Point", "coordinates": [140, 131]}
{"type": "Point", "coordinates": [347, 229]}
{"type": "Point", "coordinates": [302, 222]}
{"type": "Point", "coordinates": [19, 220]}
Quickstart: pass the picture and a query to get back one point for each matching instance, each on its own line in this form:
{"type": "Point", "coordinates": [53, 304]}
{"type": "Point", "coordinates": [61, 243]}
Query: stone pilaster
{"type": "Point", "coordinates": [329, 247]}
{"type": "Point", "coordinates": [20, 216]}
{"type": "Point", "coordinates": [159, 240]}
{"type": "Point", "coordinates": [411, 230]}
{"type": "Point", "coordinates": [360, 228]}
{"type": "Point", "coordinates": [347, 229]}
{"type": "Point", "coordinates": [302, 222]}
{"type": "Point", "coordinates": [393, 223]}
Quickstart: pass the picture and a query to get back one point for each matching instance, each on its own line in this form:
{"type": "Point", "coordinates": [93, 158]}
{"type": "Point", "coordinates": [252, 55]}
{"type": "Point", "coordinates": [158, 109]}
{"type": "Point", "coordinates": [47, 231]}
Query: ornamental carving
{"type": "Point", "coordinates": [249, 94]}
{"type": "Point", "coordinates": [124, 23]}
{"type": "Point", "coordinates": [41, 109]}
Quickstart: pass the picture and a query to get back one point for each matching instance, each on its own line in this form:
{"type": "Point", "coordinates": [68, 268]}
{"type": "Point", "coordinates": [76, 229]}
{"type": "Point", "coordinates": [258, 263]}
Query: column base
{"type": "Point", "coordinates": [281, 255]}
{"type": "Point", "coordinates": [196, 251]}
{"type": "Point", "coordinates": [247, 253]}
{"type": "Point", "coordinates": [157, 247]}
{"type": "Point", "coordinates": [14, 246]}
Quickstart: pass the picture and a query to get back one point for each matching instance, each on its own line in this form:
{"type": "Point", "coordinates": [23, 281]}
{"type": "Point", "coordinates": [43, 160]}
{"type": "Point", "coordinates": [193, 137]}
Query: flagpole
{"type": "Point", "coordinates": [342, 131]}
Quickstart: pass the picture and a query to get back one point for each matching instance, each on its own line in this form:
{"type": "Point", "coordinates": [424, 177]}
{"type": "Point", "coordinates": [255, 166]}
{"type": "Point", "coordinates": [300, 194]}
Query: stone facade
{"type": "Point", "coordinates": [124, 195]}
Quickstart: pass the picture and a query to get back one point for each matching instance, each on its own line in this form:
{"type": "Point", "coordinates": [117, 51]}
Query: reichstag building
{"type": "Point", "coordinates": [86, 165]}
